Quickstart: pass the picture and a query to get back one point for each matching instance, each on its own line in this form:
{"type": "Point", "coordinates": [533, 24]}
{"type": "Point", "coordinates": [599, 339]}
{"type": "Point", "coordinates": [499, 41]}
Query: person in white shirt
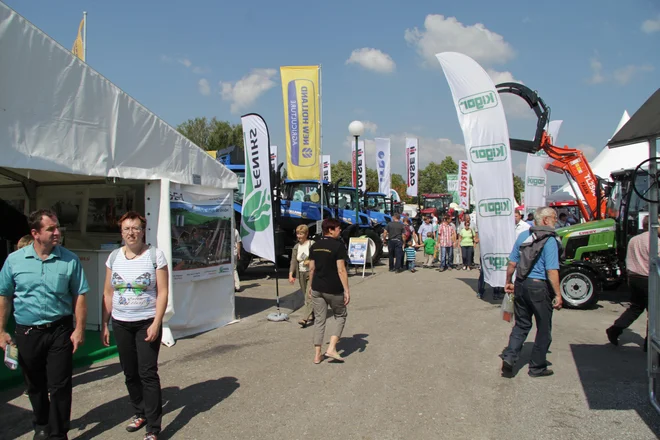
{"type": "Point", "coordinates": [237, 256]}
{"type": "Point", "coordinates": [521, 226]}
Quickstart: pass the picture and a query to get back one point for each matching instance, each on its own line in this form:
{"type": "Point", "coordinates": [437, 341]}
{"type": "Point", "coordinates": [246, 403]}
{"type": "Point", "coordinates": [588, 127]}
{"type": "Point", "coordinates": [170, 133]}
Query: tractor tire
{"type": "Point", "coordinates": [579, 287]}
{"type": "Point", "coordinates": [378, 252]}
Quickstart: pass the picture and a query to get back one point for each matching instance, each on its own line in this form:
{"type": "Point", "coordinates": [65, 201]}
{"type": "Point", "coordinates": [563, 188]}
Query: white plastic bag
{"type": "Point", "coordinates": [507, 308]}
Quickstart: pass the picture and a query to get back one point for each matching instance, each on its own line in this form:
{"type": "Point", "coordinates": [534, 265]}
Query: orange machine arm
{"type": "Point", "coordinates": [572, 162]}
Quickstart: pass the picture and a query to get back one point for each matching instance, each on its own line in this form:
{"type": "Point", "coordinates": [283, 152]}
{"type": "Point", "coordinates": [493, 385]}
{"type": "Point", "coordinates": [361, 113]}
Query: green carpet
{"type": "Point", "coordinates": [91, 351]}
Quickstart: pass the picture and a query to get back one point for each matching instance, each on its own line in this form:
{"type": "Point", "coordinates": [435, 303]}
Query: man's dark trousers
{"type": "Point", "coordinates": [395, 251]}
{"type": "Point", "coordinates": [639, 302]}
{"type": "Point", "coordinates": [532, 298]}
{"type": "Point", "coordinates": [46, 359]}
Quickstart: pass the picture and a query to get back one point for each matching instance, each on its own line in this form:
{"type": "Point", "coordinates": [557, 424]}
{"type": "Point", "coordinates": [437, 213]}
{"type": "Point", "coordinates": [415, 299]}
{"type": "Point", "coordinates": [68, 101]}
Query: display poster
{"type": "Point", "coordinates": [201, 236]}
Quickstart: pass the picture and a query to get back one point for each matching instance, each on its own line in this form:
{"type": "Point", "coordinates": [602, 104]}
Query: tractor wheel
{"type": "Point", "coordinates": [376, 252]}
{"type": "Point", "coordinates": [578, 286]}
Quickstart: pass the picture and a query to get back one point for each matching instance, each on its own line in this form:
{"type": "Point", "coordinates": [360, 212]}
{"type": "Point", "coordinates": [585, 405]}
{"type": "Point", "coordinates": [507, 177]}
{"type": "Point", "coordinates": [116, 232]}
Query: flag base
{"type": "Point", "coordinates": [278, 317]}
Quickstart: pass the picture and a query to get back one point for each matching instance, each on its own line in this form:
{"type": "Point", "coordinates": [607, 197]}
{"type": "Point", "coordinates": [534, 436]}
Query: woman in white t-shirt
{"type": "Point", "coordinates": [300, 268]}
{"type": "Point", "coordinates": [135, 294]}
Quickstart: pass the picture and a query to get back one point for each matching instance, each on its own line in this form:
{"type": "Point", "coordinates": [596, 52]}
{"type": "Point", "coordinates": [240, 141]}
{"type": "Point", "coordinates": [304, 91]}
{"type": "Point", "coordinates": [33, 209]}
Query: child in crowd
{"type": "Point", "coordinates": [429, 249]}
{"type": "Point", "coordinates": [411, 253]}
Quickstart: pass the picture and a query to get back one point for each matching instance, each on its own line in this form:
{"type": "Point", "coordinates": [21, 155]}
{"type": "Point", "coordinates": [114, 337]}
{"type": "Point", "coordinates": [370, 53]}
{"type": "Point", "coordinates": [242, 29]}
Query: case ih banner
{"type": "Point", "coordinates": [326, 171]}
{"type": "Point", "coordinates": [481, 116]}
{"type": "Point", "coordinates": [361, 168]}
{"type": "Point", "coordinates": [463, 184]}
{"type": "Point", "coordinates": [412, 153]}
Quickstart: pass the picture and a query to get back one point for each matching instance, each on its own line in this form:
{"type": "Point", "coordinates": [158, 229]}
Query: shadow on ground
{"type": "Point", "coordinates": [614, 378]}
{"type": "Point", "coordinates": [192, 400]}
{"type": "Point", "coordinates": [16, 421]}
{"type": "Point", "coordinates": [349, 345]}
{"type": "Point", "coordinates": [488, 295]}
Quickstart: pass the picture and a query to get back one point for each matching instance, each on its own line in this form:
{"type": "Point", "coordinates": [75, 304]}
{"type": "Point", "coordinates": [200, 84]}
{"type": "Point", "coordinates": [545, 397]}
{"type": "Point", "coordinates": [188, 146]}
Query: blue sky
{"type": "Point", "coordinates": [590, 60]}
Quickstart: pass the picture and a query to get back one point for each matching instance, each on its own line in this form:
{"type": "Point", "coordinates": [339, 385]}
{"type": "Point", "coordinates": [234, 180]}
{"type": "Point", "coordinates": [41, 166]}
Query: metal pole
{"type": "Point", "coordinates": [652, 354]}
{"type": "Point", "coordinates": [85, 35]}
{"type": "Point", "coordinates": [320, 139]}
{"type": "Point", "coordinates": [357, 183]}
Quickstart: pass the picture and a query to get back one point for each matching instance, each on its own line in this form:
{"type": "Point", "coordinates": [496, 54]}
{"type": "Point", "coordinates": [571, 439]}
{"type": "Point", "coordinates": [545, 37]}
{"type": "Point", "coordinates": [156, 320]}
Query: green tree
{"type": "Point", "coordinates": [211, 135]}
{"type": "Point", "coordinates": [518, 188]}
{"type": "Point", "coordinates": [372, 180]}
{"type": "Point", "coordinates": [400, 185]}
{"type": "Point", "coordinates": [344, 171]}
{"type": "Point", "coordinates": [433, 178]}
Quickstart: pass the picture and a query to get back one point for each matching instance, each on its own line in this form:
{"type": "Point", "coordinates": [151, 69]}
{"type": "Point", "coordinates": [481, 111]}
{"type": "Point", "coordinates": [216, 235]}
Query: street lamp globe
{"type": "Point", "coordinates": [356, 128]}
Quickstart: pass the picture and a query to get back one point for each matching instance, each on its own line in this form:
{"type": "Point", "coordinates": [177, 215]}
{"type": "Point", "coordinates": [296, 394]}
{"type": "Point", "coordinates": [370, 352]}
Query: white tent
{"type": "Point", "coordinates": [65, 129]}
{"type": "Point", "coordinates": [609, 160]}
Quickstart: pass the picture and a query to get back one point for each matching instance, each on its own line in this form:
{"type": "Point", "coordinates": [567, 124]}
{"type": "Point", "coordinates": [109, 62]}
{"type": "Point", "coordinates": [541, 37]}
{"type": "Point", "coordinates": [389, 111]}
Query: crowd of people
{"type": "Point", "coordinates": [45, 285]}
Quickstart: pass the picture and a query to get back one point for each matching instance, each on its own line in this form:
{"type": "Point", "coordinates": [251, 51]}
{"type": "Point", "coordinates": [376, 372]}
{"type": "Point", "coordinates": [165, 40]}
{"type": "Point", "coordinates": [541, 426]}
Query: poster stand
{"type": "Point", "coordinates": [359, 253]}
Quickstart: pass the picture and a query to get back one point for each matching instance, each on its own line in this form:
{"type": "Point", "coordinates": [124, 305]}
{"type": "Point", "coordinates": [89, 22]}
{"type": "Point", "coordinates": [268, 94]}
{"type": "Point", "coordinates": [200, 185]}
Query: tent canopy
{"type": "Point", "coordinates": [60, 120]}
{"type": "Point", "coordinates": [644, 124]}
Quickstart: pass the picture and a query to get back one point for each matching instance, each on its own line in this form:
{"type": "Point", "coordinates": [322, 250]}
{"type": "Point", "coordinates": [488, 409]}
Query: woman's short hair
{"type": "Point", "coordinates": [304, 229]}
{"type": "Point", "coordinates": [133, 215]}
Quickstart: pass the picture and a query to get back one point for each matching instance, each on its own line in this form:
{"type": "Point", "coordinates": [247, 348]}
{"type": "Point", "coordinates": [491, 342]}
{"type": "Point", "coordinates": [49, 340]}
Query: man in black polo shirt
{"type": "Point", "coordinates": [394, 233]}
{"type": "Point", "coordinates": [329, 287]}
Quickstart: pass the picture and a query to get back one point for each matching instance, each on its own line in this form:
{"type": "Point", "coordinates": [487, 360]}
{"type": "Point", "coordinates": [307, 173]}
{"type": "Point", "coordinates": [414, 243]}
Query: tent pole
{"type": "Point", "coordinates": [652, 355]}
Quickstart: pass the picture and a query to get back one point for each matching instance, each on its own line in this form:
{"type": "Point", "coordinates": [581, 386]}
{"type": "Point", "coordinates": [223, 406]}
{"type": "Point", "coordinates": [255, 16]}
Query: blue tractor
{"type": "Point", "coordinates": [300, 204]}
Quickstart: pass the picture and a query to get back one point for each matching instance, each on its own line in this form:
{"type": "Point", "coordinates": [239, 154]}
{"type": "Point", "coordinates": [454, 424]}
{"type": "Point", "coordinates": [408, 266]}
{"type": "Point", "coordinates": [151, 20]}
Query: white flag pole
{"type": "Point", "coordinates": [320, 98]}
{"type": "Point", "coordinates": [85, 35]}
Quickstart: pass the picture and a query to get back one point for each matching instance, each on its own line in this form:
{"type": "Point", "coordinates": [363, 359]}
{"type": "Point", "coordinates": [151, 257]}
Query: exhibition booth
{"type": "Point", "coordinates": [72, 141]}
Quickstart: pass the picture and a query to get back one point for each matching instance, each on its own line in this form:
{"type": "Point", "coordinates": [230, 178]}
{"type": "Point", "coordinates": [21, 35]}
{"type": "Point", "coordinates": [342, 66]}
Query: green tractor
{"type": "Point", "coordinates": [594, 252]}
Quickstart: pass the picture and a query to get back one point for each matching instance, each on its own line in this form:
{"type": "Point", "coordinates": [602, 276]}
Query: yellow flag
{"type": "Point", "coordinates": [300, 90]}
{"type": "Point", "coordinates": [78, 48]}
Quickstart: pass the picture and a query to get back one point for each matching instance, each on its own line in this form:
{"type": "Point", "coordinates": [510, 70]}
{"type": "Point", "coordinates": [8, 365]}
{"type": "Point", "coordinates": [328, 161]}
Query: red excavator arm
{"type": "Point", "coordinates": [569, 161]}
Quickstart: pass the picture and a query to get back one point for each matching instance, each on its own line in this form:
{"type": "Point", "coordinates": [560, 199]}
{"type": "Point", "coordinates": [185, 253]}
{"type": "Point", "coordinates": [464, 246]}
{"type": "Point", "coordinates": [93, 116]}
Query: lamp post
{"type": "Point", "coordinates": [356, 129]}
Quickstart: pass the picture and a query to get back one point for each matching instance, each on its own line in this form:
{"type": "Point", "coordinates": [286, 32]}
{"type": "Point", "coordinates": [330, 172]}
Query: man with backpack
{"type": "Point", "coordinates": [535, 259]}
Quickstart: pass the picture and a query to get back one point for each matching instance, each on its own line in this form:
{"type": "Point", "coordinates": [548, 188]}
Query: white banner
{"type": "Point", "coordinates": [463, 184]}
{"type": "Point", "coordinates": [412, 164]}
{"type": "Point", "coordinates": [383, 166]}
{"type": "Point", "coordinates": [326, 169]}
{"type": "Point", "coordinates": [257, 212]}
{"type": "Point", "coordinates": [273, 157]}
{"type": "Point", "coordinates": [483, 122]}
{"type": "Point", "coordinates": [361, 168]}
{"type": "Point", "coordinates": [536, 177]}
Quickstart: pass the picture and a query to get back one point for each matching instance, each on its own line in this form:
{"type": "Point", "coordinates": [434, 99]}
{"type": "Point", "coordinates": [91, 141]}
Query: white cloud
{"type": "Point", "coordinates": [204, 87]}
{"type": "Point", "coordinates": [442, 34]}
{"type": "Point", "coordinates": [625, 74]}
{"type": "Point", "coordinates": [244, 92]}
{"type": "Point", "coordinates": [597, 76]}
{"type": "Point", "coordinates": [165, 59]}
{"type": "Point", "coordinates": [514, 106]}
{"type": "Point", "coordinates": [200, 70]}
{"type": "Point", "coordinates": [370, 127]}
{"type": "Point", "coordinates": [372, 59]}
{"type": "Point", "coordinates": [185, 61]}
{"type": "Point", "coordinates": [589, 151]}
{"type": "Point", "coordinates": [651, 26]}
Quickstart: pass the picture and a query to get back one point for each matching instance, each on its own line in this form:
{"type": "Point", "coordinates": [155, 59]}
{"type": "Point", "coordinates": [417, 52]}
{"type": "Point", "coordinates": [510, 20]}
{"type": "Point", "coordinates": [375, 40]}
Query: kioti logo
{"type": "Point", "coordinates": [488, 153]}
{"type": "Point", "coordinates": [536, 181]}
{"type": "Point", "coordinates": [477, 102]}
{"type": "Point", "coordinates": [496, 262]}
{"type": "Point", "coordinates": [494, 207]}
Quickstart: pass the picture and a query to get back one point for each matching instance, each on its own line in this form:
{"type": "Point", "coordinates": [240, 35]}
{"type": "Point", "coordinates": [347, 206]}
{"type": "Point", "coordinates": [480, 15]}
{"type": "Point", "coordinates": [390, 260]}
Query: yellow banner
{"type": "Point", "coordinates": [78, 48]}
{"type": "Point", "coordinates": [300, 92]}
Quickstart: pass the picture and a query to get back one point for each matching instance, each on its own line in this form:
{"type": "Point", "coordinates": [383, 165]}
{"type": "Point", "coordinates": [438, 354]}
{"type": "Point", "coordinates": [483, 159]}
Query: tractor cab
{"type": "Point", "coordinates": [377, 206]}
{"type": "Point", "coordinates": [345, 202]}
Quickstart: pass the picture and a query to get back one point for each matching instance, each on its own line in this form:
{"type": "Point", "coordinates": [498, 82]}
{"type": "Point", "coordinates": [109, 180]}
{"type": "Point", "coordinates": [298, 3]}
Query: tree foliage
{"type": "Point", "coordinates": [399, 184]}
{"type": "Point", "coordinates": [518, 188]}
{"type": "Point", "coordinates": [211, 135]}
{"type": "Point", "coordinates": [433, 178]}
